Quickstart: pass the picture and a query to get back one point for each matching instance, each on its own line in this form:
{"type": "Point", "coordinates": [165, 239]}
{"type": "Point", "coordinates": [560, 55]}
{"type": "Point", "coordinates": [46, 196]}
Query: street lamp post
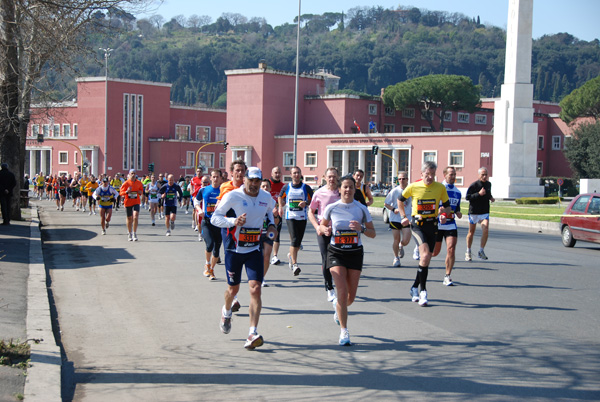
{"type": "Point", "coordinates": [297, 84]}
{"type": "Point", "coordinates": [106, 56]}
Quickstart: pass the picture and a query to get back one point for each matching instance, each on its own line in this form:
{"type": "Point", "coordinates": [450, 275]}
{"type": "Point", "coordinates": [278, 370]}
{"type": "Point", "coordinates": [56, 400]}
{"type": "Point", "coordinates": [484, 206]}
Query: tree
{"type": "Point", "coordinates": [434, 94]}
{"type": "Point", "coordinates": [582, 102]}
{"type": "Point", "coordinates": [583, 149]}
{"type": "Point", "coordinates": [35, 36]}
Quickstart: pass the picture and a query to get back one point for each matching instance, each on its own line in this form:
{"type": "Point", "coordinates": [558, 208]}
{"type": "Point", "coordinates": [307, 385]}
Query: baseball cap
{"type": "Point", "coordinates": [132, 171]}
{"type": "Point", "coordinates": [253, 173]}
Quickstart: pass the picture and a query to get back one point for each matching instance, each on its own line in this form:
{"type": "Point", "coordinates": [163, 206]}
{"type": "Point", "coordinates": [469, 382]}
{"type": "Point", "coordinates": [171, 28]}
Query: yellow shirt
{"type": "Point", "coordinates": [425, 199]}
{"type": "Point", "coordinates": [116, 183]}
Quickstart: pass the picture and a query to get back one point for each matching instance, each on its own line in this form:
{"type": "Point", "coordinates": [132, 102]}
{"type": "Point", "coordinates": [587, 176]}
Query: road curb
{"type": "Point", "coordinates": [44, 374]}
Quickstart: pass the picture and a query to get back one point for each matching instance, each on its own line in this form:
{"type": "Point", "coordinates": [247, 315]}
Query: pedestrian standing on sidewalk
{"type": "Point", "coordinates": [7, 184]}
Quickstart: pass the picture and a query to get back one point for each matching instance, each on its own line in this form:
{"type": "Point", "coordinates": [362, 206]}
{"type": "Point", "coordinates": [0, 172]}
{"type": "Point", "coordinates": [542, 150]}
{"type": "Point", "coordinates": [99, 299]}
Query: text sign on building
{"type": "Point", "coordinates": [485, 154]}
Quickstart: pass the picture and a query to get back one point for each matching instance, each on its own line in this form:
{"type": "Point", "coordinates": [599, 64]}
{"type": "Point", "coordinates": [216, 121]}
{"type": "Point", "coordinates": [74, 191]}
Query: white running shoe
{"type": "Point", "coordinates": [414, 294]}
{"type": "Point", "coordinates": [129, 237]}
{"type": "Point", "coordinates": [254, 341]}
{"type": "Point", "coordinates": [468, 256]}
{"type": "Point", "coordinates": [448, 281]}
{"type": "Point", "coordinates": [331, 295]}
{"type": "Point", "coordinates": [275, 260]}
{"type": "Point", "coordinates": [90, 214]}
{"type": "Point", "coordinates": [95, 213]}
{"type": "Point", "coordinates": [396, 262]}
{"type": "Point", "coordinates": [482, 255]}
{"type": "Point", "coordinates": [345, 338]}
{"type": "Point", "coordinates": [416, 254]}
{"type": "Point", "coordinates": [168, 232]}
{"type": "Point", "coordinates": [103, 232]}
{"type": "Point", "coordinates": [62, 208]}
{"type": "Point", "coordinates": [423, 298]}
{"type": "Point", "coordinates": [134, 235]}
{"type": "Point", "coordinates": [296, 270]}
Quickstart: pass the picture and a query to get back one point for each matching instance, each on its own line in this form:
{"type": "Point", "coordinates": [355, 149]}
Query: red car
{"type": "Point", "coordinates": [581, 220]}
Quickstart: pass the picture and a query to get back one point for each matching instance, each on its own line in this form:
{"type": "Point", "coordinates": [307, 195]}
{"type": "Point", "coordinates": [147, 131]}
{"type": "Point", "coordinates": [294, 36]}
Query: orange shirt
{"type": "Point", "coordinates": [225, 188]}
{"type": "Point", "coordinates": [133, 198]}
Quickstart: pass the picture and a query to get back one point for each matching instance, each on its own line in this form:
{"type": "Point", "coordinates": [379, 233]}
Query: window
{"type": "Point", "coordinates": [480, 119]}
{"type": "Point", "coordinates": [408, 129]}
{"type": "Point", "coordinates": [540, 169]}
{"type": "Point", "coordinates": [75, 130]}
{"type": "Point", "coordinates": [203, 133]}
{"type": "Point", "coordinates": [372, 109]}
{"type": "Point", "coordinates": [456, 158]}
{"type": "Point", "coordinates": [310, 159]}
{"type": "Point", "coordinates": [459, 181]}
{"type": "Point", "coordinates": [463, 117]}
{"type": "Point", "coordinates": [66, 130]}
{"type": "Point", "coordinates": [540, 142]}
{"type": "Point", "coordinates": [35, 130]}
{"type": "Point", "coordinates": [425, 113]}
{"type": "Point", "coordinates": [288, 159]}
{"type": "Point", "coordinates": [390, 111]}
{"type": "Point", "coordinates": [222, 158]}
{"type": "Point", "coordinates": [189, 159]}
{"type": "Point", "coordinates": [221, 134]}
{"type": "Point", "coordinates": [425, 129]}
{"type": "Point", "coordinates": [581, 203]}
{"type": "Point", "coordinates": [556, 142]}
{"type": "Point", "coordinates": [447, 129]}
{"type": "Point", "coordinates": [594, 208]}
{"type": "Point", "coordinates": [56, 130]}
{"type": "Point", "coordinates": [182, 132]}
{"type": "Point", "coordinates": [430, 156]}
{"type": "Point", "coordinates": [408, 113]}
{"type": "Point", "coordinates": [63, 157]}
{"type": "Point", "coordinates": [447, 116]}
{"type": "Point", "coordinates": [46, 130]}
{"type": "Point", "coordinates": [75, 153]}
{"type": "Point", "coordinates": [207, 159]}
{"type": "Point", "coordinates": [389, 128]}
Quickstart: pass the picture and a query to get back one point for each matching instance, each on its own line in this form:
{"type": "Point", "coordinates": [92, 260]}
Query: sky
{"type": "Point", "coordinates": [576, 17]}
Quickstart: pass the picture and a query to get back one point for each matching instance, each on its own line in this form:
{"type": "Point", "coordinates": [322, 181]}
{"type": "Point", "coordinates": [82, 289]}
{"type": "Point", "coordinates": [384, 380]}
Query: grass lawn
{"type": "Point", "coordinates": [510, 209]}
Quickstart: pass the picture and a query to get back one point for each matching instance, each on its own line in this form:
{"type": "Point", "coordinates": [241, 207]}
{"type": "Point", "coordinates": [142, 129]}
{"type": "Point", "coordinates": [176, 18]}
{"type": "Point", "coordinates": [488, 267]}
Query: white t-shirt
{"type": "Point", "coordinates": [392, 199]}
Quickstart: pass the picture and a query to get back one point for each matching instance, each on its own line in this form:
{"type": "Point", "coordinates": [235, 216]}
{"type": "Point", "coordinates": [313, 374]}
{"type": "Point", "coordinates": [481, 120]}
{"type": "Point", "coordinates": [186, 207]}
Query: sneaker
{"type": "Point", "coordinates": [416, 254]}
{"type": "Point", "coordinates": [200, 238]}
{"type": "Point", "coordinates": [207, 270]}
{"type": "Point", "coordinates": [225, 324]}
{"type": "Point", "coordinates": [77, 209]}
{"type": "Point", "coordinates": [90, 214]}
{"type": "Point", "coordinates": [275, 260]}
{"type": "Point", "coordinates": [95, 213]}
{"type": "Point", "coordinates": [468, 256]}
{"type": "Point", "coordinates": [336, 318]}
{"type": "Point", "coordinates": [396, 262]}
{"type": "Point", "coordinates": [401, 252]}
{"type": "Point", "coordinates": [264, 284]}
{"type": "Point", "coordinates": [58, 208]}
{"type": "Point", "coordinates": [103, 231]}
{"type": "Point", "coordinates": [153, 223]}
{"type": "Point", "coordinates": [414, 294]}
{"type": "Point", "coordinates": [211, 275]}
{"type": "Point", "coordinates": [447, 281]}
{"type": "Point", "coordinates": [296, 269]}
{"type": "Point", "coordinates": [482, 255]}
{"type": "Point", "coordinates": [129, 237]}
{"type": "Point", "coordinates": [195, 228]}
{"type": "Point", "coordinates": [423, 298]}
{"type": "Point", "coordinates": [62, 208]}
{"type": "Point", "coordinates": [331, 295]}
{"type": "Point", "coordinates": [172, 225]}
{"type": "Point", "coordinates": [235, 306]}
{"type": "Point", "coordinates": [107, 224]}
{"type": "Point", "coordinates": [134, 237]}
{"type": "Point", "coordinates": [168, 232]}
{"type": "Point", "coordinates": [254, 341]}
{"type": "Point", "coordinates": [187, 212]}
{"type": "Point", "coordinates": [345, 338]}
{"type": "Point", "coordinates": [219, 261]}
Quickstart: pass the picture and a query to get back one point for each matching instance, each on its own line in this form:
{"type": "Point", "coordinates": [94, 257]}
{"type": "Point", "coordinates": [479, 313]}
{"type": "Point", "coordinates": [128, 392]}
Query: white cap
{"type": "Point", "coordinates": [254, 173]}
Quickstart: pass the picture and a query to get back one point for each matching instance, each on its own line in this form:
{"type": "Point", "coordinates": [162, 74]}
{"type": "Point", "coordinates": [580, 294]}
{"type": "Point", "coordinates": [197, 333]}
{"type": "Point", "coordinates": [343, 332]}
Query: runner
{"type": "Point", "coordinates": [105, 195]}
{"type": "Point", "coordinates": [344, 221]}
{"type": "Point", "coordinates": [171, 194]}
{"type": "Point", "coordinates": [362, 189]}
{"type": "Point", "coordinates": [186, 194]}
{"type": "Point", "coordinates": [162, 180]}
{"type": "Point", "coordinates": [117, 182]}
{"type": "Point", "coordinates": [211, 233]}
{"type": "Point", "coordinates": [321, 199]}
{"type": "Point", "coordinates": [196, 183]}
{"type": "Point", "coordinates": [248, 205]}
{"type": "Point", "coordinates": [84, 197]}
{"type": "Point", "coordinates": [75, 191]}
{"type": "Point", "coordinates": [90, 187]}
{"type": "Point", "coordinates": [426, 196]}
{"type": "Point", "coordinates": [449, 230]}
{"type": "Point", "coordinates": [132, 190]}
{"type": "Point", "coordinates": [276, 186]}
{"type": "Point", "coordinates": [144, 201]}
{"type": "Point", "coordinates": [400, 234]}
{"type": "Point", "coordinates": [152, 190]}
{"type": "Point", "coordinates": [266, 238]}
{"type": "Point", "coordinates": [296, 196]}
{"type": "Point", "coordinates": [61, 192]}
{"type": "Point", "coordinates": [479, 195]}
{"type": "Point", "coordinates": [40, 185]}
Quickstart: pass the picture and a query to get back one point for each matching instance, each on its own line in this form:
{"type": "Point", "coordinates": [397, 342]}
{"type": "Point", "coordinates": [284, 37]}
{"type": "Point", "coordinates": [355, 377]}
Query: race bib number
{"type": "Point", "coordinates": [106, 198]}
{"type": "Point", "coordinates": [132, 195]}
{"type": "Point", "coordinates": [249, 237]}
{"type": "Point", "coordinates": [170, 196]}
{"type": "Point", "coordinates": [346, 239]}
{"type": "Point", "coordinates": [210, 208]}
{"type": "Point", "coordinates": [295, 205]}
{"type": "Point", "coordinates": [152, 196]}
{"type": "Point", "coordinates": [426, 207]}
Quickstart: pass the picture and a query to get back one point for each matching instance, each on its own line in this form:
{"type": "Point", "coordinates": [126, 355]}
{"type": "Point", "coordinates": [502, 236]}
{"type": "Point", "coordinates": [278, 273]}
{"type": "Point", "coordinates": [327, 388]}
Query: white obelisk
{"type": "Point", "coordinates": [515, 133]}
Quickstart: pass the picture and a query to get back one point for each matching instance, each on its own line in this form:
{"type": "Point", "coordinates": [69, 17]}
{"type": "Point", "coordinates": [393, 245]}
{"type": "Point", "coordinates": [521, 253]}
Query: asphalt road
{"type": "Point", "coordinates": [139, 321]}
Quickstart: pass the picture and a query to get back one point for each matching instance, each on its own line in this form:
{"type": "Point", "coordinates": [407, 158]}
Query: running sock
{"type": "Point", "coordinates": [468, 250]}
{"type": "Point", "coordinates": [417, 280]}
{"type": "Point", "coordinates": [481, 249]}
{"type": "Point", "coordinates": [226, 313]}
{"type": "Point", "coordinates": [422, 272]}
{"type": "Point", "coordinates": [252, 331]}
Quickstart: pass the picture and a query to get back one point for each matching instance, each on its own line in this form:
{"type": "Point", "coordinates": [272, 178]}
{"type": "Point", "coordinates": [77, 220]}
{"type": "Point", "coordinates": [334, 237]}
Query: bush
{"type": "Point", "coordinates": [537, 200]}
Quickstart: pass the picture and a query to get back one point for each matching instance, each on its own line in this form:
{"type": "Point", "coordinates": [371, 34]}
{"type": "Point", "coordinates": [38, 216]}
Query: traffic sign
{"type": "Point", "coordinates": [560, 182]}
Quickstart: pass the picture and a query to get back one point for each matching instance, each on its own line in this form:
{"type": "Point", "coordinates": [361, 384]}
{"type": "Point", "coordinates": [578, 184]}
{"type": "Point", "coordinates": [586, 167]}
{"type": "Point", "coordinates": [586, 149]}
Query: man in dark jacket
{"type": "Point", "coordinates": [7, 184]}
{"type": "Point", "coordinates": [479, 196]}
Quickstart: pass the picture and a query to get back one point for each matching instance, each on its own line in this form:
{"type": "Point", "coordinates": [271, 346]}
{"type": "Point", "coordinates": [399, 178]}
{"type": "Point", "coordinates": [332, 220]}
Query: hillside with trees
{"type": "Point", "coordinates": [369, 48]}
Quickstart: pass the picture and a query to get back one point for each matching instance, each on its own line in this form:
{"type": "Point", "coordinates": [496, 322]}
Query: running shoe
{"type": "Point", "coordinates": [396, 262]}
{"type": "Point", "coordinates": [172, 225]}
{"type": "Point", "coordinates": [153, 223]}
{"type": "Point", "coordinates": [423, 298]}
{"type": "Point", "coordinates": [448, 281]}
{"type": "Point", "coordinates": [264, 284]}
{"type": "Point", "coordinates": [336, 318]}
{"type": "Point", "coordinates": [331, 295]}
{"type": "Point", "coordinates": [219, 261]}
{"type": "Point", "coordinates": [468, 256]}
{"type": "Point", "coordinates": [90, 214]}
{"type": "Point", "coordinates": [95, 213]}
{"type": "Point", "coordinates": [296, 269]}
{"type": "Point", "coordinates": [401, 252]}
{"type": "Point", "coordinates": [168, 232]}
{"type": "Point", "coordinates": [212, 276]}
{"type": "Point", "coordinates": [195, 228]}
{"type": "Point", "coordinates": [107, 224]}
{"type": "Point", "coordinates": [414, 294]}
{"type": "Point", "coordinates": [254, 341]}
{"type": "Point", "coordinates": [225, 324]}
{"type": "Point", "coordinates": [235, 306]}
{"type": "Point", "coordinates": [57, 208]}
{"type": "Point", "coordinates": [345, 338]}
{"type": "Point", "coordinates": [416, 254]}
{"type": "Point", "coordinates": [103, 231]}
{"type": "Point", "coordinates": [207, 270]}
{"type": "Point", "coordinates": [275, 260]}
{"type": "Point", "coordinates": [134, 235]}
{"type": "Point", "coordinates": [482, 255]}
{"type": "Point", "coordinates": [62, 208]}
{"type": "Point", "coordinates": [129, 237]}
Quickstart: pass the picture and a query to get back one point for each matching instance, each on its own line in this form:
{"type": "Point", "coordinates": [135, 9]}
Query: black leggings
{"type": "Point", "coordinates": [323, 241]}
